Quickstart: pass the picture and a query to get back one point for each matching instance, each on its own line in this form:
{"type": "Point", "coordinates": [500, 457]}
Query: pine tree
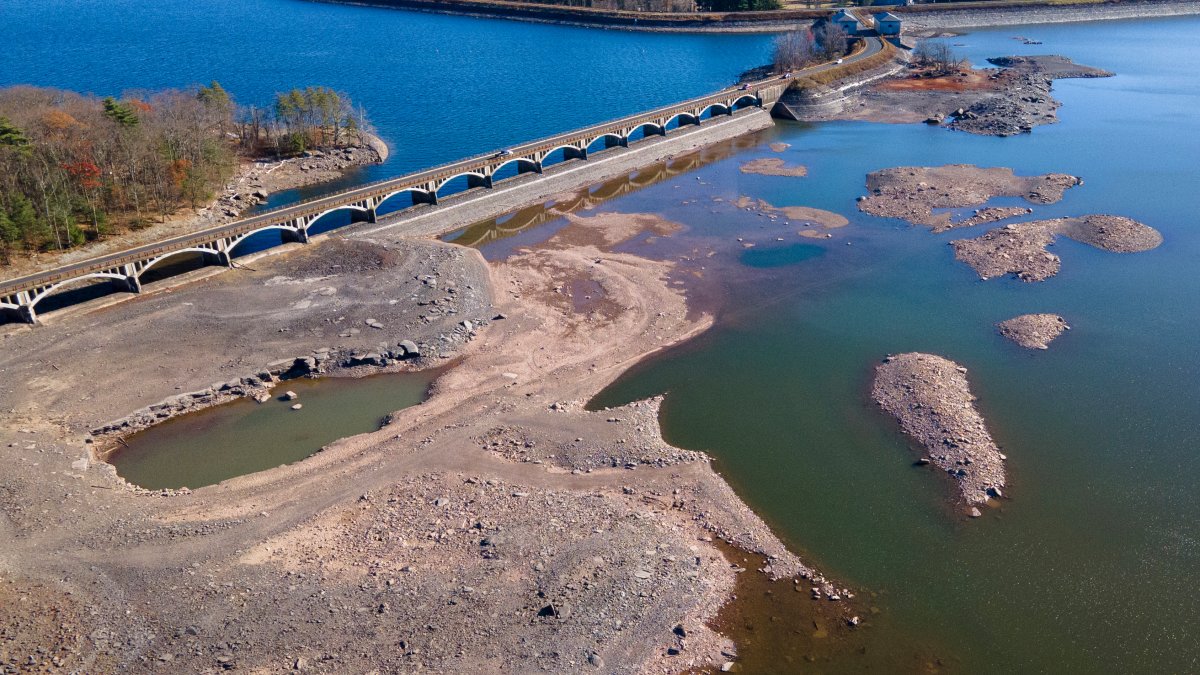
{"type": "Point", "coordinates": [120, 113]}
{"type": "Point", "coordinates": [9, 234]}
{"type": "Point", "coordinates": [11, 135]}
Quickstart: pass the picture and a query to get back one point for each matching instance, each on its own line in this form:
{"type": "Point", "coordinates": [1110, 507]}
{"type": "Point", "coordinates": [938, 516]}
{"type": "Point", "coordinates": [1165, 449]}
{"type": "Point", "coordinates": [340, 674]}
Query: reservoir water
{"type": "Point", "coordinates": [438, 88]}
{"type": "Point", "coordinates": [1088, 566]}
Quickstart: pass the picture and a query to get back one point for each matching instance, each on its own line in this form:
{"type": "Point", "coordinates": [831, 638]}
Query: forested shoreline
{"type": "Point", "coordinates": [76, 168]}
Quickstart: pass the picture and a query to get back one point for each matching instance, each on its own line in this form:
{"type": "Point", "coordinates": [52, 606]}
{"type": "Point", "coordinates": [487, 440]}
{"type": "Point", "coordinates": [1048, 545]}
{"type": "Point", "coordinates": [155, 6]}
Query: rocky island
{"type": "Point", "coordinates": [1033, 331]}
{"type": "Point", "coordinates": [930, 396]}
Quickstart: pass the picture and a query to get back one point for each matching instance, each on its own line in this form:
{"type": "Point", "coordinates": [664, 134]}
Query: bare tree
{"type": "Point", "coordinates": [832, 41]}
{"type": "Point", "coordinates": [794, 50]}
{"type": "Point", "coordinates": [938, 56]}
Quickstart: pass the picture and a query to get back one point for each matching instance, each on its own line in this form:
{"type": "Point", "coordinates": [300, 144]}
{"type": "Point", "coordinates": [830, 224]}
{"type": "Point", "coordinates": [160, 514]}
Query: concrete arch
{"type": "Point", "coordinates": [480, 179]}
{"type": "Point", "coordinates": [714, 107]}
{"type": "Point", "coordinates": [415, 192]}
{"type": "Point", "coordinates": [345, 207]}
{"type": "Point", "coordinates": [619, 140]}
{"type": "Point", "coordinates": [155, 261]}
{"type": "Point", "coordinates": [5, 305]}
{"type": "Point", "coordinates": [754, 100]}
{"type": "Point", "coordinates": [659, 129]}
{"type": "Point", "coordinates": [569, 152]}
{"type": "Point", "coordinates": [682, 117]}
{"type": "Point", "coordinates": [237, 241]}
{"type": "Point", "coordinates": [523, 164]}
{"type": "Point", "coordinates": [51, 290]}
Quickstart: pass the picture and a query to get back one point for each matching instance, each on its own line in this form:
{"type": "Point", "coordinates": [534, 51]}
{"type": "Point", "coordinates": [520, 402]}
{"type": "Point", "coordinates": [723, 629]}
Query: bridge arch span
{"type": "Point", "coordinates": [51, 290]}
{"type": "Point", "coordinates": [241, 238]}
{"type": "Point", "coordinates": [682, 117]}
{"type": "Point", "coordinates": [345, 207]}
{"type": "Point", "coordinates": [714, 108]}
{"type": "Point", "coordinates": [524, 165]}
{"type": "Point", "coordinates": [568, 152]}
{"type": "Point", "coordinates": [6, 305]}
{"type": "Point", "coordinates": [416, 194]}
{"type": "Point", "coordinates": [659, 129]}
{"type": "Point", "coordinates": [171, 254]}
{"type": "Point", "coordinates": [611, 140]}
{"type": "Point", "coordinates": [474, 180]}
{"type": "Point", "coordinates": [752, 99]}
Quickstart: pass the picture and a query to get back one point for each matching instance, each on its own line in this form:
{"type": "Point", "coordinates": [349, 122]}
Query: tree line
{"type": "Point", "coordinates": [76, 167]}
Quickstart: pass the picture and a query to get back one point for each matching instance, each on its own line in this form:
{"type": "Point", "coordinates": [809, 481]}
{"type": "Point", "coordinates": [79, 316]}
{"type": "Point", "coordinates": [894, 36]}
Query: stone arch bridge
{"type": "Point", "coordinates": [216, 245]}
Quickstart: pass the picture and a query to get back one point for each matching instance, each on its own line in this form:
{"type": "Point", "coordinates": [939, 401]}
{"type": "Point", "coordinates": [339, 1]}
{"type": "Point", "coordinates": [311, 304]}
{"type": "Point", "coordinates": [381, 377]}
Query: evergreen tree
{"type": "Point", "coordinates": [121, 113]}
{"type": "Point", "coordinates": [11, 135]}
{"type": "Point", "coordinates": [9, 234]}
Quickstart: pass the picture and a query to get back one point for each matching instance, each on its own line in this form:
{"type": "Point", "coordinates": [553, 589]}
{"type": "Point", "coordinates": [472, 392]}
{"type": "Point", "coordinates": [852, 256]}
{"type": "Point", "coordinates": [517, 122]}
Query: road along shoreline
{"type": "Point", "coordinates": [922, 17]}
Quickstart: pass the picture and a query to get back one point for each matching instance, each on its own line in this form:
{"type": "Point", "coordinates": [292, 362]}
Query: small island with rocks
{"type": "Point", "coordinates": [930, 396]}
{"type": "Point", "coordinates": [1033, 331]}
{"type": "Point", "coordinates": [1020, 248]}
{"type": "Point", "coordinates": [914, 193]}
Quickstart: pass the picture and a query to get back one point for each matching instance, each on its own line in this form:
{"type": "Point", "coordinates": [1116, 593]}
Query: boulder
{"type": "Point", "coordinates": [410, 348]}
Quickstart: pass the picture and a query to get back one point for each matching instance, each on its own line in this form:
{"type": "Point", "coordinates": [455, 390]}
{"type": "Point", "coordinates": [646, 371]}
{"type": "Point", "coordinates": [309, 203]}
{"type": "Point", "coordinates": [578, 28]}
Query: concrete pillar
{"type": "Point", "coordinates": [131, 282]}
{"type": "Point", "coordinates": [28, 315]}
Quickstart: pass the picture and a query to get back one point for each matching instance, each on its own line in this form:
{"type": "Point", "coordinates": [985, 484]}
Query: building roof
{"type": "Point", "coordinates": [886, 16]}
{"type": "Point", "coordinates": [842, 15]}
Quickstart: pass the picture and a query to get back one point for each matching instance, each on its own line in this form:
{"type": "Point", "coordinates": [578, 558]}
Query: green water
{"type": "Point", "coordinates": [242, 437]}
{"type": "Point", "coordinates": [1090, 565]}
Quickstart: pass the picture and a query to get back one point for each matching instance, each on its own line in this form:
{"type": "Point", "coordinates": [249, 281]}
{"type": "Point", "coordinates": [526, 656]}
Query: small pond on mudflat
{"type": "Point", "coordinates": [241, 437]}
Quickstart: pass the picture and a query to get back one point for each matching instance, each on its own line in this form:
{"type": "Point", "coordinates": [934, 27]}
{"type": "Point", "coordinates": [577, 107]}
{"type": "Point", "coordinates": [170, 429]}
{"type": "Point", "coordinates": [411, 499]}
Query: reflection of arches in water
{"type": "Point", "coordinates": [495, 229]}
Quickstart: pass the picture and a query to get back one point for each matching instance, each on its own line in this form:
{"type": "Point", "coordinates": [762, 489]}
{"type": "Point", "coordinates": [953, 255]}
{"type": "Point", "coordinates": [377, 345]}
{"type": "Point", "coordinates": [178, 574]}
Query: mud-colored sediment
{"type": "Point", "coordinates": [1033, 331]}
{"type": "Point", "coordinates": [773, 166]}
{"type": "Point", "coordinates": [1020, 248]}
{"type": "Point", "coordinates": [932, 400]}
{"type": "Point", "coordinates": [913, 193]}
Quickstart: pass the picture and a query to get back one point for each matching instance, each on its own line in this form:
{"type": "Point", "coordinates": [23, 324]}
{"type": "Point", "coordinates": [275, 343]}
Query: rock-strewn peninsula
{"type": "Point", "coordinates": [1033, 331]}
{"type": "Point", "coordinates": [1005, 101]}
{"type": "Point", "coordinates": [931, 398]}
{"type": "Point", "coordinates": [914, 192]}
{"type": "Point", "coordinates": [1020, 248]}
